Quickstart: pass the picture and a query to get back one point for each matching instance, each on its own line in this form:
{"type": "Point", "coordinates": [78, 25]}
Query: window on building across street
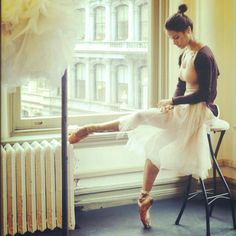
{"type": "Point", "coordinates": [106, 76]}
{"type": "Point", "coordinates": [122, 22]}
{"type": "Point", "coordinates": [99, 24]}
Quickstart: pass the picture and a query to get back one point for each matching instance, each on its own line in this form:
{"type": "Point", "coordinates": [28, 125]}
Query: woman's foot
{"type": "Point", "coordinates": [145, 202]}
{"type": "Point", "coordinates": [81, 133]}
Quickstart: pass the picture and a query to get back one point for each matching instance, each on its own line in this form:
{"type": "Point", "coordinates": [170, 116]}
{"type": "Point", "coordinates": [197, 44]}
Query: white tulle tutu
{"type": "Point", "coordinates": [38, 38]}
{"type": "Point", "coordinates": [175, 140]}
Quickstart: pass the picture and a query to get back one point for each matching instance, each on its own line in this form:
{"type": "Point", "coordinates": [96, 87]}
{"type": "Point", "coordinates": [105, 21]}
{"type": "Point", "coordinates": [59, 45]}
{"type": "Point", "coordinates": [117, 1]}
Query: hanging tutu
{"type": "Point", "coordinates": [38, 38]}
{"type": "Point", "coordinates": [174, 140]}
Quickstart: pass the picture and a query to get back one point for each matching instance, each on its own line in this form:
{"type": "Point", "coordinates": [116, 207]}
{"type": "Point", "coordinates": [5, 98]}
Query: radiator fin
{"type": "Point", "coordinates": [21, 188]}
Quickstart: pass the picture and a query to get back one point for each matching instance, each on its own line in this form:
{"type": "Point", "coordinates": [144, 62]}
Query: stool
{"type": "Point", "coordinates": [210, 196]}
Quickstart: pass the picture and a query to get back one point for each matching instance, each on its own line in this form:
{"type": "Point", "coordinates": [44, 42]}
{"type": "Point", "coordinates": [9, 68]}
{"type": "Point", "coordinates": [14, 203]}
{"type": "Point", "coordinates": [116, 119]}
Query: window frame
{"type": "Point", "coordinates": [158, 84]}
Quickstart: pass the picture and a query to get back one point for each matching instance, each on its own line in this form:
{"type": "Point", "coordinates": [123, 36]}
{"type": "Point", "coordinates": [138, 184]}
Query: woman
{"type": "Point", "coordinates": [173, 136]}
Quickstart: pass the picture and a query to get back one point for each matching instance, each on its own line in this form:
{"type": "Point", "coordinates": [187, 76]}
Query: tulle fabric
{"type": "Point", "coordinates": [38, 38]}
{"type": "Point", "coordinates": [175, 140]}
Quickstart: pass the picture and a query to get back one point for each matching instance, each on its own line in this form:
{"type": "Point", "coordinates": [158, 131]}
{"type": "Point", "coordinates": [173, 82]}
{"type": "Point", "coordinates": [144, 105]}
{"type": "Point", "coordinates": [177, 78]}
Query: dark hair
{"type": "Point", "coordinates": [179, 22]}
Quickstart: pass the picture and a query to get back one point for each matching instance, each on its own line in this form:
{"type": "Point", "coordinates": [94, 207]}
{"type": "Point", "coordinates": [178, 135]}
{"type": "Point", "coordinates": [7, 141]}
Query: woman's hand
{"type": "Point", "coordinates": [164, 102]}
{"type": "Point", "coordinates": [165, 105]}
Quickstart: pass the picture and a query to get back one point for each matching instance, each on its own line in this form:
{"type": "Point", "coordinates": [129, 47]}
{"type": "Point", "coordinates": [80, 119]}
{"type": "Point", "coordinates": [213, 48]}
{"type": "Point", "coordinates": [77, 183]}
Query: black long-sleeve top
{"type": "Point", "coordinates": [207, 73]}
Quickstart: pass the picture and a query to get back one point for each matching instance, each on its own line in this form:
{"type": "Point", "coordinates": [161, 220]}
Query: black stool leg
{"type": "Point", "coordinates": [185, 200]}
{"type": "Point", "coordinates": [208, 233]}
{"type": "Point", "coordinates": [216, 166]}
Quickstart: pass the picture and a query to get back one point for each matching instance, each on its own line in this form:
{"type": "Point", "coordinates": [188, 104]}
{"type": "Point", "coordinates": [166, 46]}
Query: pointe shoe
{"type": "Point", "coordinates": [81, 133]}
{"type": "Point", "coordinates": [145, 202]}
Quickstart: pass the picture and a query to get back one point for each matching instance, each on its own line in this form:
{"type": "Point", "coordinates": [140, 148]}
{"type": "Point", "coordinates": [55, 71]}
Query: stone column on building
{"type": "Point", "coordinates": [108, 81]}
{"type": "Point", "coordinates": [130, 21]}
{"type": "Point", "coordinates": [113, 23]}
{"type": "Point", "coordinates": [113, 83]}
{"type": "Point", "coordinates": [87, 81]}
{"type": "Point", "coordinates": [108, 22]}
{"type": "Point", "coordinates": [89, 28]}
{"type": "Point", "coordinates": [131, 82]}
{"type": "Point", "coordinates": [91, 81]}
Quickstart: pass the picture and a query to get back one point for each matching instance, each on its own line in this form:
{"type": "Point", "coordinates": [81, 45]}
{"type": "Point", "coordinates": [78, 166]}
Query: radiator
{"type": "Point", "coordinates": [31, 187]}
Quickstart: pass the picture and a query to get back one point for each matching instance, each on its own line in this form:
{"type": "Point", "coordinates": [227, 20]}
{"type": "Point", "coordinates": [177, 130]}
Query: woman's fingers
{"type": "Point", "coordinates": [166, 108]}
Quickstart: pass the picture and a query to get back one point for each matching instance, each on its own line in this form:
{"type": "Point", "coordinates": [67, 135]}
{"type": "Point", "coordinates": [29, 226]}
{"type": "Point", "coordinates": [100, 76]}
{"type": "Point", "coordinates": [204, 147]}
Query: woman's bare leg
{"type": "Point", "coordinates": [149, 175]}
{"type": "Point", "coordinates": [84, 131]}
{"type": "Point", "coordinates": [145, 200]}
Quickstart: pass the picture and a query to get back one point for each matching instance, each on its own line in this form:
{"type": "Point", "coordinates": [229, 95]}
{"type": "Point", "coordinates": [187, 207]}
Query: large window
{"type": "Point", "coordinates": [105, 78]}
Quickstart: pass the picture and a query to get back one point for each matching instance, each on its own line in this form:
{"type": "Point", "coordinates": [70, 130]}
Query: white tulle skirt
{"type": "Point", "coordinates": [38, 38]}
{"type": "Point", "coordinates": [175, 140]}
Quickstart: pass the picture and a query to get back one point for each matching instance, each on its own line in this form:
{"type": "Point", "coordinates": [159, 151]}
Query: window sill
{"type": "Point", "coordinates": [96, 139]}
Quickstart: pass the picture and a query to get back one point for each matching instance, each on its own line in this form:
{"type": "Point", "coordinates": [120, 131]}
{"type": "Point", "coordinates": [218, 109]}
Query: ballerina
{"type": "Point", "coordinates": [172, 136]}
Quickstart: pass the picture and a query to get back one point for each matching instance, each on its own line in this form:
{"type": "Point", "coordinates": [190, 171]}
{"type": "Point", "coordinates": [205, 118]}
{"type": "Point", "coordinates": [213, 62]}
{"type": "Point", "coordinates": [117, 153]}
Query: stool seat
{"type": "Point", "coordinates": [217, 125]}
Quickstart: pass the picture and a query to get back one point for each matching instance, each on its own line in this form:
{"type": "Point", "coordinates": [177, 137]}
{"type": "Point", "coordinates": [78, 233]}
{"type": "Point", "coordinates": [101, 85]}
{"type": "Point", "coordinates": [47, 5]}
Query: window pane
{"type": "Point", "coordinates": [38, 100]}
{"type": "Point", "coordinates": [104, 76]}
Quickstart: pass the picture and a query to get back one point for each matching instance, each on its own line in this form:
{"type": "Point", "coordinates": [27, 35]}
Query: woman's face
{"type": "Point", "coordinates": [180, 39]}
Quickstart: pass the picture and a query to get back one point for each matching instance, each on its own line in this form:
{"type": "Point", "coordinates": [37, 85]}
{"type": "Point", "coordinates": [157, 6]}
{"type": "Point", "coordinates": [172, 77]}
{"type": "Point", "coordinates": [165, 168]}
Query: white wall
{"type": "Point", "coordinates": [218, 30]}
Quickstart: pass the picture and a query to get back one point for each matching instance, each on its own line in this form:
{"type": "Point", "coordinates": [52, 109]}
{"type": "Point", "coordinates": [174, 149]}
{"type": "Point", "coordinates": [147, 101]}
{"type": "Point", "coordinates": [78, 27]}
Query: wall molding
{"type": "Point", "coordinates": [116, 195]}
{"type": "Point", "coordinates": [170, 187]}
{"type": "Point", "coordinates": [227, 163]}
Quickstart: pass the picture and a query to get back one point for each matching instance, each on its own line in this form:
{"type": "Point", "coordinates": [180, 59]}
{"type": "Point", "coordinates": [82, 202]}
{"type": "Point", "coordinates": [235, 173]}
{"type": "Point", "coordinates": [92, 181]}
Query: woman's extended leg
{"type": "Point", "coordinates": [145, 200]}
{"type": "Point", "coordinates": [84, 131]}
{"type": "Point", "coordinates": [151, 117]}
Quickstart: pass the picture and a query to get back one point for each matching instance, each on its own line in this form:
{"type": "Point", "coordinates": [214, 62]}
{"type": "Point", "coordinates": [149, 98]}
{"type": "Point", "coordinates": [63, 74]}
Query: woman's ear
{"type": "Point", "coordinates": [188, 30]}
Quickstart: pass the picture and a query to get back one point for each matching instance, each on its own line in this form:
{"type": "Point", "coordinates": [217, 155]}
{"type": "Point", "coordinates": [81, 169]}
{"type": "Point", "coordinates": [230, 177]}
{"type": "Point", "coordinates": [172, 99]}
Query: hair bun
{"type": "Point", "coordinates": [182, 8]}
